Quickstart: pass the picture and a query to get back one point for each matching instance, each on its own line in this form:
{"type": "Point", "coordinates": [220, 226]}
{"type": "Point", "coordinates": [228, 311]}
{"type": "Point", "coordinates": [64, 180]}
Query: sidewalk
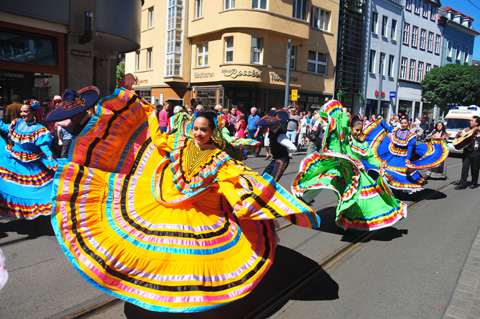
{"type": "Point", "coordinates": [465, 303]}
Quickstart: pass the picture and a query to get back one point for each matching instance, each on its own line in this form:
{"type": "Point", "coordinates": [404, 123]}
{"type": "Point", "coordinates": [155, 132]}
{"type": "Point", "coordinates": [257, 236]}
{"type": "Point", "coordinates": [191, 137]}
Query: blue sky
{"type": "Point", "coordinates": [468, 7]}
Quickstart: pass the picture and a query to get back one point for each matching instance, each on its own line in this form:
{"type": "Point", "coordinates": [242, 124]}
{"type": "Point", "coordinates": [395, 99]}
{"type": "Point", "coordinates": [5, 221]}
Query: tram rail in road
{"type": "Point", "coordinates": [277, 300]}
{"type": "Point", "coordinates": [284, 295]}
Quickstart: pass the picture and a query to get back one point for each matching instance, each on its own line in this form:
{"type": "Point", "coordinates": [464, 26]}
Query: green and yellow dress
{"type": "Point", "coordinates": [363, 204]}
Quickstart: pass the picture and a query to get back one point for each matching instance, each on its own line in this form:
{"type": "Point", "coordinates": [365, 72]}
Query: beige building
{"type": "Point", "coordinates": [233, 52]}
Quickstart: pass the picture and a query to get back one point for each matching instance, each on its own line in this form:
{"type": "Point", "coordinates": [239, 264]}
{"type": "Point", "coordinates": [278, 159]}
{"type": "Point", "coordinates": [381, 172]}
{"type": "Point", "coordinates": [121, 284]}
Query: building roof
{"type": "Point", "coordinates": [457, 12]}
{"type": "Point", "coordinates": [443, 19]}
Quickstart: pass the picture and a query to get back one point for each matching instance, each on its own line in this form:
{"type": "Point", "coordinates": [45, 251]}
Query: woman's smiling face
{"type": "Point", "coordinates": [202, 132]}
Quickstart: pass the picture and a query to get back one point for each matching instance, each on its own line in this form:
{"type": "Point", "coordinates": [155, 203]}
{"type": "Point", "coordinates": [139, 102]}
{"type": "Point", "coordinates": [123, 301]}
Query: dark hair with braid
{"type": "Point", "coordinates": [355, 120]}
{"type": "Point", "coordinates": [210, 117]}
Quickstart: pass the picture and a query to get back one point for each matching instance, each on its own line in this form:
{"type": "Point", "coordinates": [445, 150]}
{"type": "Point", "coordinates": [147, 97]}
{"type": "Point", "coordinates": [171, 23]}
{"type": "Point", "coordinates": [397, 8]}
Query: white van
{"type": "Point", "coordinates": [457, 119]}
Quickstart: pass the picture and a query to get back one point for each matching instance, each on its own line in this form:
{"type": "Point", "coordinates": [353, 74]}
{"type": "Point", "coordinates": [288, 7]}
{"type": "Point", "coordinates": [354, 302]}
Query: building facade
{"type": "Point", "coordinates": [384, 43]}
{"type": "Point", "coordinates": [459, 36]}
{"type": "Point", "coordinates": [234, 52]}
{"type": "Point", "coordinates": [420, 51]}
{"type": "Point", "coordinates": [49, 45]}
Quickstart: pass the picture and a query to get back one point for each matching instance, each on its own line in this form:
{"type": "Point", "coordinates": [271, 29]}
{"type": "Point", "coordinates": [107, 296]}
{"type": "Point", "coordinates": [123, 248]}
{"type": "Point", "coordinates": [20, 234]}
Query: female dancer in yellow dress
{"type": "Point", "coordinates": [168, 223]}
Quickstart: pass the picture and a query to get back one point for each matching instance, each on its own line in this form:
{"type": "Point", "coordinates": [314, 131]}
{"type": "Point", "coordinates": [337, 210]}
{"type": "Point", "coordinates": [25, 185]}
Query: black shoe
{"type": "Point", "coordinates": [473, 186]}
{"type": "Point", "coordinates": [461, 186]}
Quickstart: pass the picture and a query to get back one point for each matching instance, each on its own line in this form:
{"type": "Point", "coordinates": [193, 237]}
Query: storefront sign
{"type": "Point", "coordinates": [234, 73]}
{"type": "Point", "coordinates": [142, 81]}
{"type": "Point", "coordinates": [12, 75]}
{"type": "Point", "coordinates": [202, 75]}
{"type": "Point", "coordinates": [85, 54]}
{"type": "Point", "coordinates": [392, 94]}
{"type": "Point", "coordinates": [274, 77]}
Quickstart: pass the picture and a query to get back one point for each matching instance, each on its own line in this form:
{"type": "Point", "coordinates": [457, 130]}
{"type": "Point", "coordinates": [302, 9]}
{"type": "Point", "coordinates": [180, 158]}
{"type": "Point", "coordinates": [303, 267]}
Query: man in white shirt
{"type": "Point", "coordinates": [303, 130]}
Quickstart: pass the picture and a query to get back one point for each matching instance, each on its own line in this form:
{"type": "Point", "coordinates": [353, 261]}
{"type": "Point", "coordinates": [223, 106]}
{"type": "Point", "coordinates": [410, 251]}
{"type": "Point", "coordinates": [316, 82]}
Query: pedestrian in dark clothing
{"type": "Point", "coordinates": [280, 145]}
{"type": "Point", "coordinates": [471, 155]}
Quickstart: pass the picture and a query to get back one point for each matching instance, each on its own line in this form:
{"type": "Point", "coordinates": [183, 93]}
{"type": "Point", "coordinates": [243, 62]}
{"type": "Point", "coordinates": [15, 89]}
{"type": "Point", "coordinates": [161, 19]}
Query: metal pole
{"type": "Point", "coordinates": [287, 80]}
{"type": "Point", "coordinates": [380, 85]}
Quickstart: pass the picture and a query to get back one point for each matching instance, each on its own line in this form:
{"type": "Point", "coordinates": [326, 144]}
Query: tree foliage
{"type": "Point", "coordinates": [452, 84]}
{"type": "Point", "coordinates": [120, 72]}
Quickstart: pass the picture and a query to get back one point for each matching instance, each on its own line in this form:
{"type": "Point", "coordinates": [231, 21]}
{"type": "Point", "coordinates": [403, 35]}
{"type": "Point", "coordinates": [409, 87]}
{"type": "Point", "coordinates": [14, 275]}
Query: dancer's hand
{"type": "Point", "coordinates": [407, 162]}
{"type": "Point", "coordinates": [237, 207]}
{"type": "Point", "coordinates": [50, 158]}
{"type": "Point", "coordinates": [382, 166]}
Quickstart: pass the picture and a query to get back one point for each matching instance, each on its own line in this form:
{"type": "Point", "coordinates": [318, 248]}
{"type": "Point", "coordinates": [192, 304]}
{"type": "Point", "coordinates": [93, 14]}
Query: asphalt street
{"type": "Point", "coordinates": [406, 271]}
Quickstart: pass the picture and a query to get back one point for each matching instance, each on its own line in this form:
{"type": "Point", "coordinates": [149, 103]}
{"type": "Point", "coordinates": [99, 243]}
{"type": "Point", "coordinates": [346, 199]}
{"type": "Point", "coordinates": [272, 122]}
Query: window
{"type": "Point", "coordinates": [198, 8]}
{"type": "Point", "coordinates": [317, 62]}
{"type": "Point", "coordinates": [320, 19]}
{"type": "Point", "coordinates": [430, 42]}
{"type": "Point", "coordinates": [137, 61]}
{"type": "Point", "coordinates": [150, 17]}
{"type": "Point", "coordinates": [425, 10]}
{"type": "Point", "coordinates": [433, 13]}
{"type": "Point", "coordinates": [418, 4]}
{"type": "Point", "coordinates": [414, 36]}
{"type": "Point", "coordinates": [423, 38]}
{"type": "Point", "coordinates": [403, 69]}
{"type": "Point", "coordinates": [411, 75]}
{"type": "Point", "coordinates": [174, 38]}
{"type": "Point", "coordinates": [202, 54]}
{"type": "Point", "coordinates": [256, 53]}
{"type": "Point", "coordinates": [381, 69]}
{"type": "Point", "coordinates": [229, 49]}
{"type": "Point", "coordinates": [428, 68]}
{"type": "Point", "coordinates": [420, 72]}
{"type": "Point", "coordinates": [393, 31]}
{"type": "Point", "coordinates": [259, 4]}
{"type": "Point", "coordinates": [406, 33]}
{"type": "Point", "coordinates": [371, 67]}
{"type": "Point", "coordinates": [384, 26]}
{"type": "Point", "coordinates": [391, 65]}
{"type": "Point", "coordinates": [293, 57]}
{"type": "Point", "coordinates": [170, 65]}
{"type": "Point", "coordinates": [149, 58]}
{"type": "Point", "coordinates": [374, 22]}
{"type": "Point", "coordinates": [449, 49]}
{"type": "Point", "coordinates": [229, 4]}
{"type": "Point", "coordinates": [438, 38]}
{"type": "Point", "coordinates": [467, 56]}
{"type": "Point", "coordinates": [459, 52]}
{"type": "Point", "coordinates": [408, 5]}
{"type": "Point", "coordinates": [300, 8]}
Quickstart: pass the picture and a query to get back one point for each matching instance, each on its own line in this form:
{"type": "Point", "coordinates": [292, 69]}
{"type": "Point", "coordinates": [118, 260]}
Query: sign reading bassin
{"type": "Point", "coordinates": [234, 73]}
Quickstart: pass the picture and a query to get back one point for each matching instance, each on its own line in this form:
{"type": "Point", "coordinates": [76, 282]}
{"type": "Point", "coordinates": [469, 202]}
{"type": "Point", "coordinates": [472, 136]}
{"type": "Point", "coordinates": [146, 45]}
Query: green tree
{"type": "Point", "coordinates": [120, 72]}
{"type": "Point", "coordinates": [452, 84]}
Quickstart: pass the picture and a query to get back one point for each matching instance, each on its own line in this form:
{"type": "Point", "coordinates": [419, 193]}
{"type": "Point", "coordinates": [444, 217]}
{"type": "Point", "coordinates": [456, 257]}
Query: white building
{"type": "Point", "coordinates": [384, 42]}
{"type": "Point", "coordinates": [420, 51]}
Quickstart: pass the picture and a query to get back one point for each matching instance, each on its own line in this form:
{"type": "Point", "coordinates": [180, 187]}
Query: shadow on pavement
{"type": "Point", "coordinates": [384, 234]}
{"type": "Point", "coordinates": [40, 226]}
{"type": "Point", "coordinates": [288, 267]}
{"type": "Point", "coordinates": [328, 224]}
{"type": "Point", "coordinates": [425, 194]}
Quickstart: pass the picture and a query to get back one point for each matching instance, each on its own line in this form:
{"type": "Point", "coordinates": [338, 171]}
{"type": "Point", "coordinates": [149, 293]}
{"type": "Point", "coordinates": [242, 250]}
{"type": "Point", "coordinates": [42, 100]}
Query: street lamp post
{"type": "Point", "coordinates": [287, 79]}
